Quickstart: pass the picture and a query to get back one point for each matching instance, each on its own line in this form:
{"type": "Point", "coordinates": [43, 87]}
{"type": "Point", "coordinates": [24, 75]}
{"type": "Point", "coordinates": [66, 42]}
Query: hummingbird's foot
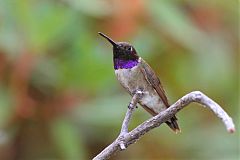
{"type": "Point", "coordinates": [135, 99]}
{"type": "Point", "coordinates": [131, 106]}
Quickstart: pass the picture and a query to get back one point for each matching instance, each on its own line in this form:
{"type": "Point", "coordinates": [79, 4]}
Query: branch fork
{"type": "Point", "coordinates": [126, 138]}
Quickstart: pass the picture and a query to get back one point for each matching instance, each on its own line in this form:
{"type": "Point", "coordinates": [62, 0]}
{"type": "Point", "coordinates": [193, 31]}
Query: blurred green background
{"type": "Point", "coordinates": [59, 98]}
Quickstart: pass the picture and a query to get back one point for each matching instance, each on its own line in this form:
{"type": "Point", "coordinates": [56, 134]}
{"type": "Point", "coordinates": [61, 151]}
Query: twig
{"type": "Point", "coordinates": [124, 130]}
{"type": "Point", "coordinates": [162, 117]}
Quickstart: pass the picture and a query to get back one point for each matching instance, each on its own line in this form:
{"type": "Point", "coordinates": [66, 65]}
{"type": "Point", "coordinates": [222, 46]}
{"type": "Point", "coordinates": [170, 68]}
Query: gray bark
{"type": "Point", "coordinates": [127, 138]}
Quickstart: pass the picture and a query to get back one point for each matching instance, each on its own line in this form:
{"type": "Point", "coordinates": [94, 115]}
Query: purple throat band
{"type": "Point", "coordinates": [124, 64]}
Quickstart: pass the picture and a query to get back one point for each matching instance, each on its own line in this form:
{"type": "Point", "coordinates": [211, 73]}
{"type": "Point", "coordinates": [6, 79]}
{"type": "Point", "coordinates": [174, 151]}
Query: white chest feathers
{"type": "Point", "coordinates": [130, 78]}
{"type": "Point", "coordinates": [133, 79]}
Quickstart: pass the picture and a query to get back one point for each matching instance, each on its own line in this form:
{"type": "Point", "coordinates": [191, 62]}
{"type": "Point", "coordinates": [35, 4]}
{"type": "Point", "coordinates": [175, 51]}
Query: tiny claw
{"type": "Point", "coordinates": [130, 106]}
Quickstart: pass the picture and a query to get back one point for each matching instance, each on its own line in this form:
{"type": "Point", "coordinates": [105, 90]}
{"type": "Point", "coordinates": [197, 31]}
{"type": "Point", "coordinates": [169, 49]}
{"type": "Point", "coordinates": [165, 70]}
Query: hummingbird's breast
{"type": "Point", "coordinates": [132, 80]}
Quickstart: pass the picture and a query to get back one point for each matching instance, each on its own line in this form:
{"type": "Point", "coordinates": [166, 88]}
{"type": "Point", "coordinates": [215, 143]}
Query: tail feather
{"type": "Point", "coordinates": [172, 123]}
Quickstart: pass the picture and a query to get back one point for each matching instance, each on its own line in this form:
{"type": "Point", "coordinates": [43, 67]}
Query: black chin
{"type": "Point", "coordinates": [124, 55]}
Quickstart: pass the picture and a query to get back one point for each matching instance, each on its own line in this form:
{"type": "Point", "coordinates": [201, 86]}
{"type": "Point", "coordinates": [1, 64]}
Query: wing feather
{"type": "Point", "coordinates": [151, 77]}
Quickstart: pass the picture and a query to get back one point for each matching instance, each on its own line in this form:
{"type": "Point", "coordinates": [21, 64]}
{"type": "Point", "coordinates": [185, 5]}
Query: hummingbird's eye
{"type": "Point", "coordinates": [130, 49]}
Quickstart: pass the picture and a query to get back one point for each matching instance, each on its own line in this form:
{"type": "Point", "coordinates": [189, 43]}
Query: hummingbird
{"type": "Point", "coordinates": [134, 74]}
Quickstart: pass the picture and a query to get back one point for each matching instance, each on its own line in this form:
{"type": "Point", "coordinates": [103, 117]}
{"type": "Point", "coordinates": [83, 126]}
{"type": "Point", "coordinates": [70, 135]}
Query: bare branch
{"type": "Point", "coordinates": [135, 134]}
{"type": "Point", "coordinates": [131, 107]}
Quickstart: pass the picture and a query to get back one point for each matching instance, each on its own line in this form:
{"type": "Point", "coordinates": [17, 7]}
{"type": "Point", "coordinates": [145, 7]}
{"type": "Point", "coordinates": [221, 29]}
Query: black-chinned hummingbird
{"type": "Point", "coordinates": [134, 74]}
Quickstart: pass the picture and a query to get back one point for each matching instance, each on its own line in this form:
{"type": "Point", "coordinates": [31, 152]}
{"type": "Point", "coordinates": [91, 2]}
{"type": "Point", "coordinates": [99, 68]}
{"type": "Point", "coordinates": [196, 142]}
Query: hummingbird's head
{"type": "Point", "coordinates": [122, 50]}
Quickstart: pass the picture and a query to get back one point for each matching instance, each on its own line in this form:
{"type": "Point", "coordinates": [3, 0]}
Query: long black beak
{"type": "Point", "coordinates": [109, 39]}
